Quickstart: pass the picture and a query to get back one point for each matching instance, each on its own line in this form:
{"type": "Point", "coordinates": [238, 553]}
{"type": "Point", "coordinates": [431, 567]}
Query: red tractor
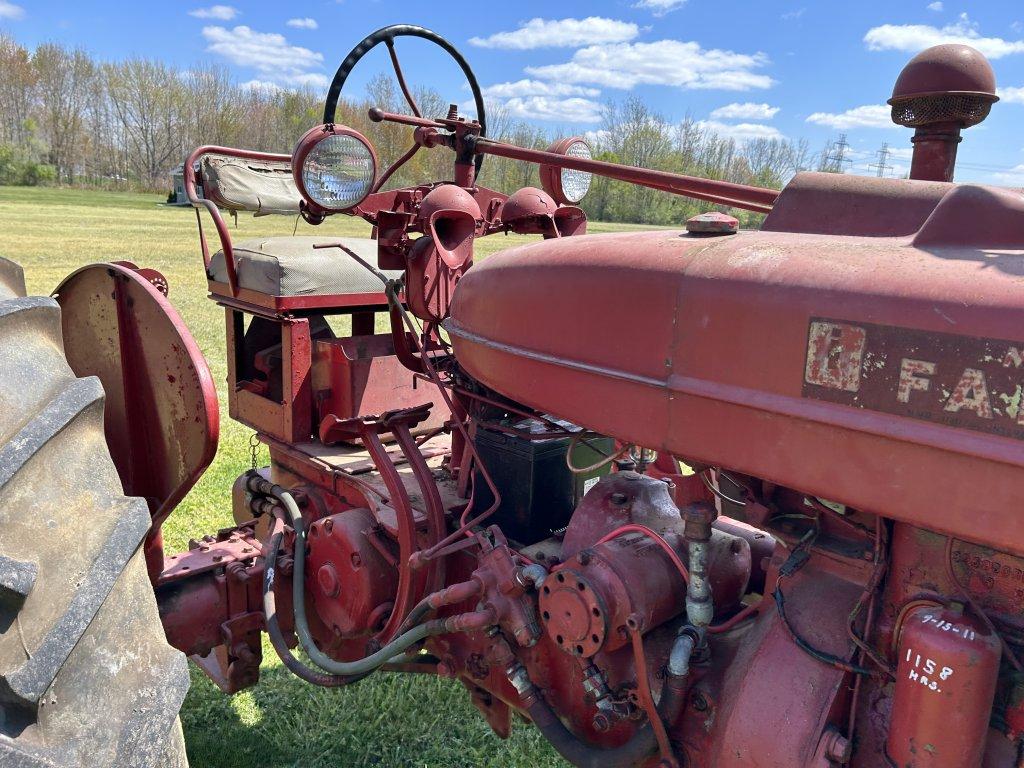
{"type": "Point", "coordinates": [698, 498]}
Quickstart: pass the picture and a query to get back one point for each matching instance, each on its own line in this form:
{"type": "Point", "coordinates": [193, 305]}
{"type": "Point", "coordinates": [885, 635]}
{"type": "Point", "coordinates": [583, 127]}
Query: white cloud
{"type": "Point", "coordinates": [741, 132]}
{"type": "Point", "coordinates": [936, 6]}
{"type": "Point", "coordinates": [268, 53]}
{"type": "Point", "coordinates": [569, 110]}
{"type": "Point", "coordinates": [868, 116]}
{"type": "Point", "coordinates": [660, 7]}
{"type": "Point", "coordinates": [745, 111]}
{"type": "Point", "coordinates": [1011, 94]}
{"type": "Point", "coordinates": [304, 23]}
{"type": "Point", "coordinates": [793, 15]}
{"type": "Point", "coordinates": [564, 33]}
{"type": "Point", "coordinates": [262, 85]}
{"type": "Point", "coordinates": [536, 100]}
{"type": "Point", "coordinates": [1013, 176]}
{"type": "Point", "coordinates": [219, 12]}
{"type": "Point", "coordinates": [916, 37]}
{"type": "Point", "coordinates": [666, 62]}
{"type": "Point", "coordinates": [11, 11]}
{"type": "Point", "coordinates": [536, 88]}
{"type": "Point", "coordinates": [307, 79]}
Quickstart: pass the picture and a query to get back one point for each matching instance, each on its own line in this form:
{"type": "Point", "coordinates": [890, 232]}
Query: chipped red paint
{"type": "Point", "coordinates": [161, 413]}
{"type": "Point", "coordinates": [959, 381]}
{"type": "Point", "coordinates": [945, 683]}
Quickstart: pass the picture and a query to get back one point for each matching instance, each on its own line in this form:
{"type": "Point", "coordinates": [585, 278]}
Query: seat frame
{"type": "Point", "coordinates": [230, 294]}
{"type": "Point", "coordinates": [290, 418]}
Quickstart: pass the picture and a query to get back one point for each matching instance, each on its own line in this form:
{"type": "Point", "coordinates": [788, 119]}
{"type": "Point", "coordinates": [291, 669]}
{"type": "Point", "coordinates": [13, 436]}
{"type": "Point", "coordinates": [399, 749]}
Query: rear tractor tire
{"type": "Point", "coordinates": [86, 675]}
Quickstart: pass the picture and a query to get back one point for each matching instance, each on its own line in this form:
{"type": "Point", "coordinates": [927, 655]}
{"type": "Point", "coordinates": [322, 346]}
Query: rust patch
{"type": "Point", "coordinates": [960, 381]}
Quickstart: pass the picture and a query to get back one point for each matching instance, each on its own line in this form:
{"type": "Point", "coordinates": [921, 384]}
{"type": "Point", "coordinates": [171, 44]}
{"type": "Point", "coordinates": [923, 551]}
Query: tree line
{"type": "Point", "coordinates": [67, 118]}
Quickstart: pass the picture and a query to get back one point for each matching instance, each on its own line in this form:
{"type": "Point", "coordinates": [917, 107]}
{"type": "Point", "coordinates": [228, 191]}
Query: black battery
{"type": "Point", "coordinates": [538, 490]}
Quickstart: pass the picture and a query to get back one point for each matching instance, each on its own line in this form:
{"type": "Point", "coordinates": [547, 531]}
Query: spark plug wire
{"type": "Point", "coordinates": [577, 438]}
{"type": "Point", "coordinates": [657, 538]}
{"type": "Point", "coordinates": [796, 560]}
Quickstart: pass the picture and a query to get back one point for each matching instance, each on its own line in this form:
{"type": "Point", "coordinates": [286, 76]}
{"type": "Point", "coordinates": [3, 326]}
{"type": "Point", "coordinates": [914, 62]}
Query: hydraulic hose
{"type": "Point", "coordinates": [274, 629]}
{"type": "Point", "coordinates": [642, 744]}
{"type": "Point", "coordinates": [346, 669]}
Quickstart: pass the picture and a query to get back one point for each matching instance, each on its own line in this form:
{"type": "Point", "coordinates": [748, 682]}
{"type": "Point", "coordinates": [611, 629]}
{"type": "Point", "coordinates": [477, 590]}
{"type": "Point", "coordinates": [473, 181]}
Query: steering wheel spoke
{"type": "Point", "coordinates": [394, 167]}
{"type": "Point", "coordinates": [387, 36]}
{"type": "Point", "coordinates": [390, 42]}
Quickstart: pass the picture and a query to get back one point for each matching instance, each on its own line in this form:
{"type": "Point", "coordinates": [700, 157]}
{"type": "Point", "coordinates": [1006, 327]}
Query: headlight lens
{"type": "Point", "coordinates": [576, 184]}
{"type": "Point", "coordinates": [339, 172]}
{"type": "Point", "coordinates": [565, 185]}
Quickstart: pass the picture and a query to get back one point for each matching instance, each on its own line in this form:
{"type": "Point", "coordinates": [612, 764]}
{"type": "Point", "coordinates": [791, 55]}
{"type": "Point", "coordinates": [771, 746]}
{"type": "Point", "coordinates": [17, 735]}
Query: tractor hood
{"type": "Point", "coordinates": [878, 372]}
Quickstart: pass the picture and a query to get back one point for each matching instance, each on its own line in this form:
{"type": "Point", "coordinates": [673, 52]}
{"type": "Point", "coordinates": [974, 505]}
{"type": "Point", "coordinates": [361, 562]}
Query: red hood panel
{"type": "Point", "coordinates": [780, 355]}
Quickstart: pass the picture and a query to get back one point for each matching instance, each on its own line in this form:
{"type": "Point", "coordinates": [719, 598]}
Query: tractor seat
{"type": "Point", "coordinates": [290, 266]}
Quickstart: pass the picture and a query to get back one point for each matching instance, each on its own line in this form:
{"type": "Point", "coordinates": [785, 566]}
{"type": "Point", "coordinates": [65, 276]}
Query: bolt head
{"type": "Point", "coordinates": [327, 578]}
{"type": "Point", "coordinates": [837, 747]}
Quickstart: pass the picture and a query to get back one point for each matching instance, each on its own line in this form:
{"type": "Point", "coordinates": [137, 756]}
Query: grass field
{"type": "Point", "coordinates": [386, 720]}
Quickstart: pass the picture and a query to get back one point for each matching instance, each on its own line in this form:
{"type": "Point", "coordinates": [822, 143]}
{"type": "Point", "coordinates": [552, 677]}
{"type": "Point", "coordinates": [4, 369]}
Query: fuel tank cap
{"type": "Point", "coordinates": [712, 223]}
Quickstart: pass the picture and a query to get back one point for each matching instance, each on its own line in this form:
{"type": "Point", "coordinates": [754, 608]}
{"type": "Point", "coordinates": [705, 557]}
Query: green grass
{"type": "Point", "coordinates": [386, 720]}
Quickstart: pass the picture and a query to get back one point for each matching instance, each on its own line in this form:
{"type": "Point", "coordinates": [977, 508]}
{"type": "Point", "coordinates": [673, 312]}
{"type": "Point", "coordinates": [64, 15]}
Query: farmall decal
{"type": "Point", "coordinates": [960, 381]}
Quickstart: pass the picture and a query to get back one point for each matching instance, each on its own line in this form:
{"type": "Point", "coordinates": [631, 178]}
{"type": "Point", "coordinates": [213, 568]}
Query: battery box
{"type": "Point", "coordinates": [538, 491]}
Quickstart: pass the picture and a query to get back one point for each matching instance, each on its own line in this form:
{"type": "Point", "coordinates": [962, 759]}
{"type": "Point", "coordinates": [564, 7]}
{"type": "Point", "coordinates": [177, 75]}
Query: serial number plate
{"type": "Point", "coordinates": [960, 381]}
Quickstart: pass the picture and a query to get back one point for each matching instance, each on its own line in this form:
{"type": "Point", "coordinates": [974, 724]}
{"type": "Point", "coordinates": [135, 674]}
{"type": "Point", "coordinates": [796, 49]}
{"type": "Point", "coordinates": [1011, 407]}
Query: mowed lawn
{"type": "Point", "coordinates": [385, 720]}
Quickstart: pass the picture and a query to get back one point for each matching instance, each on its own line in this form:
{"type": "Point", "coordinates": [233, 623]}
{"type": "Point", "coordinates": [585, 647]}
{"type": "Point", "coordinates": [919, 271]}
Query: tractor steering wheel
{"type": "Point", "coordinates": [387, 36]}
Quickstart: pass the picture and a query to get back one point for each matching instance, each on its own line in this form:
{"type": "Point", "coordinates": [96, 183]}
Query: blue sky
{"type": "Point", "coordinates": [791, 68]}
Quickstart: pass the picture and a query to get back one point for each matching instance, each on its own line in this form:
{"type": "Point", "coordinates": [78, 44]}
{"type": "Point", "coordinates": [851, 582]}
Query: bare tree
{"type": "Point", "coordinates": [17, 93]}
{"type": "Point", "coordinates": [213, 113]}
{"type": "Point", "coordinates": [148, 99]}
{"type": "Point", "coordinates": [63, 85]}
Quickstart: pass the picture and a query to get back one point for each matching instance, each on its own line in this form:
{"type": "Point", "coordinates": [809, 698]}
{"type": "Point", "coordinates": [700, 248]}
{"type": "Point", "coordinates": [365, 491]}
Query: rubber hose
{"type": "Point", "coordinates": [365, 665]}
{"type": "Point", "coordinates": [274, 630]}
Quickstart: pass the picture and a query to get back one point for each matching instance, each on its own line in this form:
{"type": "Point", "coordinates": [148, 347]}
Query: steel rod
{"type": "Point", "coordinates": [759, 199]}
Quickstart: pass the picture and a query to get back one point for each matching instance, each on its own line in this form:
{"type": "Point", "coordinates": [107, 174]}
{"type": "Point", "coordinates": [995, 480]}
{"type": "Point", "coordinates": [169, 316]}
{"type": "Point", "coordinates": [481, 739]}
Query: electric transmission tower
{"type": "Point", "coordinates": [835, 160]}
{"type": "Point", "coordinates": [881, 166]}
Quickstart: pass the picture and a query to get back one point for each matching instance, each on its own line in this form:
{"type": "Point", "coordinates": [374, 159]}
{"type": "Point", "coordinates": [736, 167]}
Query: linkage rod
{"type": "Point", "coordinates": [749, 198]}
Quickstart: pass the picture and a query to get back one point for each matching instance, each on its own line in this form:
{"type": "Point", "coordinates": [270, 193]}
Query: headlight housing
{"type": "Point", "coordinates": [334, 168]}
{"type": "Point", "coordinates": [565, 185]}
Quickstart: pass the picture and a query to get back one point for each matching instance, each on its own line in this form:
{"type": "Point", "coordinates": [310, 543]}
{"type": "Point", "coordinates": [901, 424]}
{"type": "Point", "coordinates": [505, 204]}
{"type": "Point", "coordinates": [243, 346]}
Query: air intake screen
{"type": "Point", "coordinates": [965, 109]}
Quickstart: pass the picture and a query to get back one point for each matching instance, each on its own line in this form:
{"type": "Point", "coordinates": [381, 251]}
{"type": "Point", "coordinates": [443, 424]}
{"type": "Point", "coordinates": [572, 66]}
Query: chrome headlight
{"type": "Point", "coordinates": [565, 185]}
{"type": "Point", "coordinates": [334, 168]}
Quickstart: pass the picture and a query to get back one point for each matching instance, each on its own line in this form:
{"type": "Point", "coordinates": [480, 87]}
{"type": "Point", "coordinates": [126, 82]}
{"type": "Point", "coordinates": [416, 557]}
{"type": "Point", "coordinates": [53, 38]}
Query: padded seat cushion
{"type": "Point", "coordinates": [260, 186]}
{"type": "Point", "coordinates": [290, 266]}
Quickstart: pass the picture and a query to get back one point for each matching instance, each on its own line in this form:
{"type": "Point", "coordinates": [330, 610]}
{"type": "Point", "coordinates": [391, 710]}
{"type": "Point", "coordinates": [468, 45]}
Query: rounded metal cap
{"type": "Point", "coordinates": [527, 203]}
{"type": "Point", "coordinates": [448, 197]}
{"type": "Point", "coordinates": [944, 83]}
{"type": "Point", "coordinates": [712, 223]}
